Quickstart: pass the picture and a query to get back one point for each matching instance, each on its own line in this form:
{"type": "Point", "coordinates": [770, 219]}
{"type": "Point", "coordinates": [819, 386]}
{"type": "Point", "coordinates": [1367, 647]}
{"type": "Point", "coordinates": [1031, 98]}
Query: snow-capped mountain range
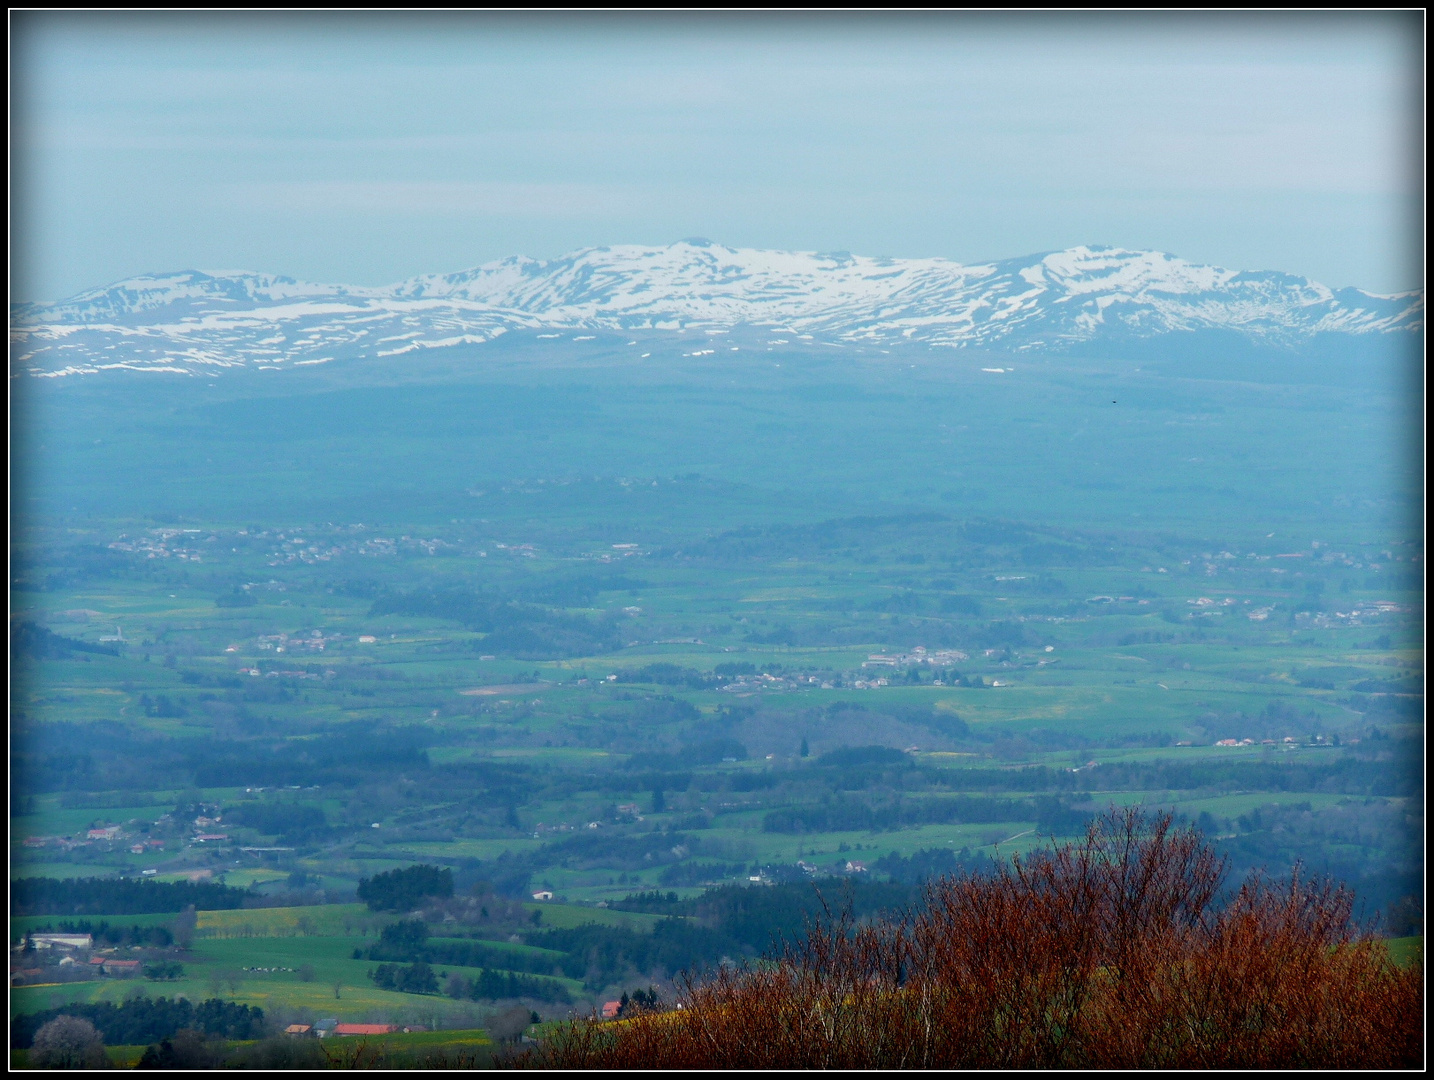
{"type": "Point", "coordinates": [199, 323]}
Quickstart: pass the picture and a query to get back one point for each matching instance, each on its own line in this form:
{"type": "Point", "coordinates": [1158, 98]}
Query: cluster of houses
{"type": "Point", "coordinates": [619, 551]}
{"type": "Point", "coordinates": [108, 834]}
{"type": "Point", "coordinates": [204, 833]}
{"type": "Point", "coordinates": [297, 549]}
{"type": "Point", "coordinates": [1206, 601]}
{"type": "Point", "coordinates": [1355, 616]}
{"type": "Point", "coordinates": [852, 866]}
{"type": "Point", "coordinates": [256, 672]}
{"type": "Point", "coordinates": [752, 683]}
{"type": "Point", "coordinates": [181, 544]}
{"type": "Point", "coordinates": [164, 544]}
{"type": "Point", "coordinates": [332, 1028]}
{"type": "Point", "coordinates": [314, 642]}
{"type": "Point", "coordinates": [748, 684]}
{"type": "Point", "coordinates": [92, 836]}
{"type": "Point", "coordinates": [78, 953]}
{"type": "Point", "coordinates": [1288, 741]}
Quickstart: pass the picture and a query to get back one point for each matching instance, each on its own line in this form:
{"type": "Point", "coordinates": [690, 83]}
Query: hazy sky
{"type": "Point", "coordinates": [363, 149]}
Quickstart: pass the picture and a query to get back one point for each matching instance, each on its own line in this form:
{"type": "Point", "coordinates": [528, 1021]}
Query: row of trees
{"type": "Point", "coordinates": [118, 896]}
{"type": "Point", "coordinates": [106, 933]}
{"type": "Point", "coordinates": [142, 1020]}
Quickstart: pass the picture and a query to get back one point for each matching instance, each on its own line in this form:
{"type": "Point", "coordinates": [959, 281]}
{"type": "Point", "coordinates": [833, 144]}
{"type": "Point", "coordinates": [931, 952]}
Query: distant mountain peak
{"type": "Point", "coordinates": [196, 321]}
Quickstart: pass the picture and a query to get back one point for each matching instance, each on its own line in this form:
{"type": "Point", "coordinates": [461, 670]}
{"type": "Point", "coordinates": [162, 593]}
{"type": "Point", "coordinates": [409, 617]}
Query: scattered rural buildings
{"type": "Point", "coordinates": [918, 655]}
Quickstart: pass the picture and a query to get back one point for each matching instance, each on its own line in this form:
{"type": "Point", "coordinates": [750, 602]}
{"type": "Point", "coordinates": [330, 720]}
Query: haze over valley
{"type": "Point", "coordinates": [492, 647]}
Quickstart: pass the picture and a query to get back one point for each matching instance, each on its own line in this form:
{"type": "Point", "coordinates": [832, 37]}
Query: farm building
{"type": "Point", "coordinates": [365, 1029]}
{"type": "Point", "coordinates": [62, 941]}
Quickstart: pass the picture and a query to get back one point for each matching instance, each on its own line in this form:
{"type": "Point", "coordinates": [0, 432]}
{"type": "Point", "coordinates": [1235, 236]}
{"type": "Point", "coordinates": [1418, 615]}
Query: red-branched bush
{"type": "Point", "coordinates": [1114, 952]}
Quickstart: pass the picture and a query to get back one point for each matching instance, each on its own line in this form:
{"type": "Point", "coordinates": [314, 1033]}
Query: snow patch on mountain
{"type": "Point", "coordinates": [193, 321]}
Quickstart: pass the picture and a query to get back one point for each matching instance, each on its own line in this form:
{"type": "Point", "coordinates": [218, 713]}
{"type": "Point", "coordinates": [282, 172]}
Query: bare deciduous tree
{"type": "Point", "coordinates": [68, 1042]}
{"type": "Point", "coordinates": [1115, 952]}
{"type": "Point", "coordinates": [509, 1025]}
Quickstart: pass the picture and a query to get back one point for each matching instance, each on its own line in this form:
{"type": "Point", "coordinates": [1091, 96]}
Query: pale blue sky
{"type": "Point", "coordinates": [366, 149]}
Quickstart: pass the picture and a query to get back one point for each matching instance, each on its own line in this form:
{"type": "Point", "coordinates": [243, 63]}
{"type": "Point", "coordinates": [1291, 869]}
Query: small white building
{"type": "Point", "coordinates": [542, 894]}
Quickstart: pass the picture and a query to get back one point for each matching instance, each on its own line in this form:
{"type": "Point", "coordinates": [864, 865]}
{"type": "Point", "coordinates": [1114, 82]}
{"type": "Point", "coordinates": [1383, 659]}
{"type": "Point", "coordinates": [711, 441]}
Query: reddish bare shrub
{"type": "Point", "coordinates": [1108, 953]}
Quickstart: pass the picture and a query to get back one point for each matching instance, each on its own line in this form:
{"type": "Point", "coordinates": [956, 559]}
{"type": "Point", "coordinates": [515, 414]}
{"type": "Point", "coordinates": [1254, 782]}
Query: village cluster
{"type": "Point", "coordinates": [1289, 742]}
{"type": "Point", "coordinates": [166, 544]}
{"type": "Point", "coordinates": [278, 548]}
{"type": "Point", "coordinates": [138, 837]}
{"type": "Point", "coordinates": [65, 957]}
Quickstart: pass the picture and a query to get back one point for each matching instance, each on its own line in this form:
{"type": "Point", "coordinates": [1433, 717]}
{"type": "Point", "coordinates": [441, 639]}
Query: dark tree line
{"type": "Point", "coordinates": [930, 863]}
{"type": "Point", "coordinates": [292, 823]}
{"type": "Point", "coordinates": [405, 889]}
{"type": "Point", "coordinates": [408, 942]}
{"type": "Point", "coordinates": [416, 978]}
{"type": "Point", "coordinates": [146, 1020]}
{"type": "Point", "coordinates": [31, 641]}
{"type": "Point", "coordinates": [490, 985]}
{"type": "Point", "coordinates": [118, 896]}
{"type": "Point", "coordinates": [105, 933]}
{"type": "Point", "coordinates": [333, 760]}
{"type": "Point", "coordinates": [845, 815]}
